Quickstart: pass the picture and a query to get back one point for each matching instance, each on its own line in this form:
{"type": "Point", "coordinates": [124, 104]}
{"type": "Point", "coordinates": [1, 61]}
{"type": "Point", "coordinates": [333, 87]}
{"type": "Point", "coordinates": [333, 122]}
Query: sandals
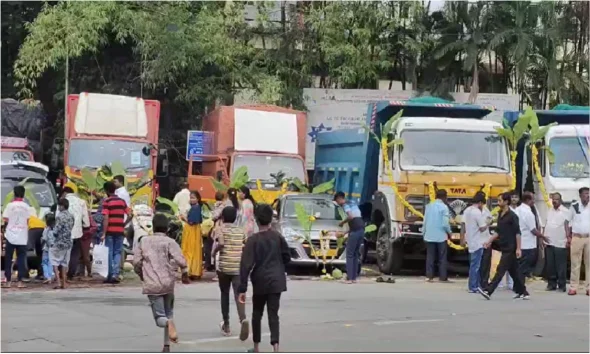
{"type": "Point", "coordinates": [226, 332]}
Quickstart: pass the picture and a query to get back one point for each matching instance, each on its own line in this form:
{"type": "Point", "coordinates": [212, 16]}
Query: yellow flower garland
{"type": "Point", "coordinates": [537, 171]}
{"type": "Point", "coordinates": [513, 155]}
{"type": "Point", "coordinates": [431, 192]}
{"type": "Point", "coordinates": [487, 189]}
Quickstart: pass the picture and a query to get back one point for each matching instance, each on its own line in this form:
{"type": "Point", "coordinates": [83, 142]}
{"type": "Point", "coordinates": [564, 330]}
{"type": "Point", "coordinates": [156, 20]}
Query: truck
{"type": "Point", "coordinates": [15, 149]}
{"type": "Point", "coordinates": [568, 141]}
{"type": "Point", "coordinates": [268, 140]}
{"type": "Point", "coordinates": [445, 145]}
{"type": "Point", "coordinates": [102, 129]}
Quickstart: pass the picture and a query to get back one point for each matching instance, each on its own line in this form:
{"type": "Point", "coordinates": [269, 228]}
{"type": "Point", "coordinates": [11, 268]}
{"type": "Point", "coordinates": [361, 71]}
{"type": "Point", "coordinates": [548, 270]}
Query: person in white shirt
{"type": "Point", "coordinates": [578, 234]}
{"type": "Point", "coordinates": [556, 253]}
{"type": "Point", "coordinates": [16, 221]}
{"type": "Point", "coordinates": [79, 209]}
{"type": "Point", "coordinates": [529, 235]}
{"type": "Point", "coordinates": [474, 230]}
{"type": "Point", "coordinates": [182, 199]}
{"type": "Point", "coordinates": [121, 191]}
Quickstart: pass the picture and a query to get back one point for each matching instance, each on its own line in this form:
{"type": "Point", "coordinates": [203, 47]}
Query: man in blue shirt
{"type": "Point", "coordinates": [356, 235]}
{"type": "Point", "coordinates": [436, 230]}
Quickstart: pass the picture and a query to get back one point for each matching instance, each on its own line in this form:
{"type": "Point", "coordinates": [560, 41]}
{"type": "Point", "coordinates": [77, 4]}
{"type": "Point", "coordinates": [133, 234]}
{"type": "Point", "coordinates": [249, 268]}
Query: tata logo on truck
{"type": "Point", "coordinates": [458, 190]}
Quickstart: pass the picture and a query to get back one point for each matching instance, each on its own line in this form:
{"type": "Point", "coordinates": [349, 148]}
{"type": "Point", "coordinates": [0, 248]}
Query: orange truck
{"type": "Point", "coordinates": [102, 129]}
{"type": "Point", "coordinates": [15, 149]}
{"type": "Point", "coordinates": [267, 140]}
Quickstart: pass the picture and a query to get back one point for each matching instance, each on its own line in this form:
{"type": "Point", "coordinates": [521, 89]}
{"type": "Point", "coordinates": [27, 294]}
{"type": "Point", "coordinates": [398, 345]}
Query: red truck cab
{"type": "Point", "coordinates": [15, 149]}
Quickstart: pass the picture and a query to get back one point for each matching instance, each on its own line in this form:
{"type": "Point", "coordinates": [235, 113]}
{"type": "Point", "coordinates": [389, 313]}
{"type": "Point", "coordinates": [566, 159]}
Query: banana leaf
{"type": "Point", "coordinates": [370, 228]}
{"type": "Point", "coordinates": [302, 187]}
{"type": "Point", "coordinates": [239, 178]}
{"type": "Point", "coordinates": [89, 179]}
{"type": "Point", "coordinates": [389, 124]}
{"type": "Point", "coordinates": [117, 169]}
{"type": "Point", "coordinates": [220, 187]}
{"type": "Point", "coordinates": [302, 217]}
{"type": "Point", "coordinates": [324, 187]}
{"type": "Point", "coordinates": [169, 203]}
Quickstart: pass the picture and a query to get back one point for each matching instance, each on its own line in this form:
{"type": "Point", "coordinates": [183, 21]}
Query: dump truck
{"type": "Point", "coordinates": [15, 149]}
{"type": "Point", "coordinates": [268, 140]}
{"type": "Point", "coordinates": [445, 146]}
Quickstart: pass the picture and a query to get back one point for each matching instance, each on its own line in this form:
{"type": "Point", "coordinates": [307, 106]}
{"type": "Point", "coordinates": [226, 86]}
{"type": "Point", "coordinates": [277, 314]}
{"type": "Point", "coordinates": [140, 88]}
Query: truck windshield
{"type": "Point", "coordinates": [41, 189]}
{"type": "Point", "coordinates": [262, 166]}
{"type": "Point", "coordinates": [321, 209]}
{"type": "Point", "coordinates": [472, 151]}
{"type": "Point", "coordinates": [96, 153]}
{"type": "Point", "coordinates": [570, 160]}
{"type": "Point", "coordinates": [8, 156]}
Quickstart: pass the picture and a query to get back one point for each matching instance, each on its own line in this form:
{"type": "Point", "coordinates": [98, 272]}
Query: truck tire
{"type": "Point", "coordinates": [390, 255]}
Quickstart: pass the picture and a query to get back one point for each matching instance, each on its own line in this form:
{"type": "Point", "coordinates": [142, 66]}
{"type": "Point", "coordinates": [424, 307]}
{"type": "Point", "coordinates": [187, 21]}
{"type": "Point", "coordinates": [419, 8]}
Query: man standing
{"type": "Point", "coordinates": [356, 235]}
{"type": "Point", "coordinates": [16, 219]}
{"type": "Point", "coordinates": [580, 240]}
{"type": "Point", "coordinates": [437, 230]}
{"type": "Point", "coordinates": [529, 234]}
{"type": "Point", "coordinates": [556, 230]}
{"type": "Point", "coordinates": [61, 244]}
{"type": "Point", "coordinates": [474, 232]}
{"type": "Point", "coordinates": [182, 199]}
{"type": "Point", "coordinates": [114, 210]}
{"type": "Point", "coordinates": [508, 236]}
{"type": "Point", "coordinates": [79, 210]}
{"type": "Point", "coordinates": [121, 191]}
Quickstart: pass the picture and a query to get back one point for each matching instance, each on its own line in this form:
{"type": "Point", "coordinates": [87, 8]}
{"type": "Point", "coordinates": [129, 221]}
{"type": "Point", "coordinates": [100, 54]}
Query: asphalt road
{"type": "Point", "coordinates": [315, 316]}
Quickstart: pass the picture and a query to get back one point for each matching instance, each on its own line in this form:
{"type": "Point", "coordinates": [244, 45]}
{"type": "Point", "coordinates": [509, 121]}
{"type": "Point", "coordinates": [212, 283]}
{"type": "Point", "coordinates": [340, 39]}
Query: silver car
{"type": "Point", "coordinates": [327, 217]}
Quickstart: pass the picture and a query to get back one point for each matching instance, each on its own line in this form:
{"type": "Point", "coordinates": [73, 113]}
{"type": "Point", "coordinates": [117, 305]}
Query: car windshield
{"type": "Point", "coordinates": [423, 149]}
{"type": "Point", "coordinates": [570, 160]}
{"type": "Point", "coordinates": [41, 189]}
{"type": "Point", "coordinates": [8, 156]}
{"type": "Point", "coordinates": [321, 209]}
{"type": "Point", "coordinates": [262, 166]}
{"type": "Point", "coordinates": [97, 153]}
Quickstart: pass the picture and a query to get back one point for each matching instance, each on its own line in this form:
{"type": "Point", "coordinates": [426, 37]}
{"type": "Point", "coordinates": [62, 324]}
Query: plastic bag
{"type": "Point", "coordinates": [100, 260]}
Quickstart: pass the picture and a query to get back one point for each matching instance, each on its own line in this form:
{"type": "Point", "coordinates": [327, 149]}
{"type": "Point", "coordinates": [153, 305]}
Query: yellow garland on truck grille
{"type": "Point", "coordinates": [487, 190]}
{"type": "Point", "coordinates": [405, 203]}
{"type": "Point", "coordinates": [537, 170]}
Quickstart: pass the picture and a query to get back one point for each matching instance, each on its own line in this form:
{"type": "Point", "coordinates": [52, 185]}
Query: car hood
{"type": "Point", "coordinates": [317, 226]}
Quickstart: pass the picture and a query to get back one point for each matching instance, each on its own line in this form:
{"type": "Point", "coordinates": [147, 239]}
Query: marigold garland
{"type": "Point", "coordinates": [537, 170]}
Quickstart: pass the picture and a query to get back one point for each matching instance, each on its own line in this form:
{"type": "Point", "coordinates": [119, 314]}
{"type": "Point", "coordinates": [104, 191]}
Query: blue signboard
{"type": "Point", "coordinates": [198, 142]}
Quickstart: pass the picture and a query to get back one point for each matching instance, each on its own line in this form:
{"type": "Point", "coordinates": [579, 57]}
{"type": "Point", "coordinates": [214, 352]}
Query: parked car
{"type": "Point", "coordinates": [327, 217]}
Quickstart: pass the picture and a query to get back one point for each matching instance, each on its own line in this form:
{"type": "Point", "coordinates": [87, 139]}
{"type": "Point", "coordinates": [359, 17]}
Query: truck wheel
{"type": "Point", "coordinates": [390, 256]}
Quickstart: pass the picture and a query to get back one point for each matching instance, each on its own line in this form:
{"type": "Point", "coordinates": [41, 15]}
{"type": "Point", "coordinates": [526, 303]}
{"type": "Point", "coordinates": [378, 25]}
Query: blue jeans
{"type": "Point", "coordinates": [47, 268]}
{"type": "Point", "coordinates": [353, 247]}
{"type": "Point", "coordinates": [115, 244]}
{"type": "Point", "coordinates": [474, 264]}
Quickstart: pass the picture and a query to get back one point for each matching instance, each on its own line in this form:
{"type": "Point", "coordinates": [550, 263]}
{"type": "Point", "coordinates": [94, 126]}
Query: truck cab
{"type": "Point", "coordinates": [569, 170]}
{"type": "Point", "coordinates": [15, 149]}
{"type": "Point", "coordinates": [445, 146]}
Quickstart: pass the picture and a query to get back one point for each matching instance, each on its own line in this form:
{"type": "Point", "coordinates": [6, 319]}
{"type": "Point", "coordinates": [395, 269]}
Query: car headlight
{"type": "Point", "coordinates": [291, 235]}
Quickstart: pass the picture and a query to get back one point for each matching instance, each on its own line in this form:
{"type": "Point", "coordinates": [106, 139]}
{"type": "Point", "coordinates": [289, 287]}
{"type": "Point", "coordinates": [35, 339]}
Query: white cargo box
{"type": "Point", "coordinates": [100, 114]}
{"type": "Point", "coordinates": [265, 131]}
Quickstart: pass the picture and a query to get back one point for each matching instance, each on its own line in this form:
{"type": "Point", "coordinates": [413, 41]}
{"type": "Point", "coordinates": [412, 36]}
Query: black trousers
{"type": "Point", "coordinates": [556, 266]}
{"type": "Point", "coordinates": [226, 282]}
{"type": "Point", "coordinates": [528, 262]}
{"type": "Point", "coordinates": [508, 263]}
{"type": "Point", "coordinates": [273, 302]}
{"type": "Point", "coordinates": [21, 260]}
{"type": "Point", "coordinates": [35, 236]}
{"type": "Point", "coordinates": [75, 258]}
{"type": "Point", "coordinates": [207, 250]}
{"type": "Point", "coordinates": [485, 267]}
{"type": "Point", "coordinates": [434, 251]}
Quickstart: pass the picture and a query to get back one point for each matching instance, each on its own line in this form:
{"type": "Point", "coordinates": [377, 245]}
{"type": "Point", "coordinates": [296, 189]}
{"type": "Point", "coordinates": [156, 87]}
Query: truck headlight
{"type": "Point", "coordinates": [418, 203]}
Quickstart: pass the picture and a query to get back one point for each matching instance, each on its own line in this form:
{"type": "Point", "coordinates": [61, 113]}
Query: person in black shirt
{"type": "Point", "coordinates": [508, 236]}
{"type": "Point", "coordinates": [263, 259]}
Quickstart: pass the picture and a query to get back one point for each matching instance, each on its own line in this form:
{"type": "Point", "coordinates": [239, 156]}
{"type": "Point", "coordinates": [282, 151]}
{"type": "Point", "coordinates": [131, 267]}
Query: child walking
{"type": "Point", "coordinates": [46, 242]}
{"type": "Point", "coordinates": [157, 259]}
{"type": "Point", "coordinates": [264, 258]}
{"type": "Point", "coordinates": [230, 242]}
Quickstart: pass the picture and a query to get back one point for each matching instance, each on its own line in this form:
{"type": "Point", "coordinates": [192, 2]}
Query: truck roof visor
{"type": "Point", "coordinates": [577, 116]}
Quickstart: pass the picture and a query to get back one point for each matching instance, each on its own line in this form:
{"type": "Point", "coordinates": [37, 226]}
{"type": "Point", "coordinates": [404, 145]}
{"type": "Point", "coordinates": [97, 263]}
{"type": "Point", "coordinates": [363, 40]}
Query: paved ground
{"type": "Point", "coordinates": [315, 316]}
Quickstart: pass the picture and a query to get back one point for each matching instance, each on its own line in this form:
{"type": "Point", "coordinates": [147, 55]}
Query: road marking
{"type": "Point", "coordinates": [215, 339]}
{"type": "Point", "coordinates": [385, 323]}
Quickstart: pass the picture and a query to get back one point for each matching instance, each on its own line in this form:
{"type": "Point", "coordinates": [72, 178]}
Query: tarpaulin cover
{"type": "Point", "coordinates": [22, 120]}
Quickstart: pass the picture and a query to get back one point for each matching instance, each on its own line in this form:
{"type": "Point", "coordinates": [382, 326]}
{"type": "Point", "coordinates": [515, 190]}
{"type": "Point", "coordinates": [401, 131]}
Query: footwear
{"type": "Point", "coordinates": [561, 290]}
{"type": "Point", "coordinates": [472, 291]}
{"type": "Point", "coordinates": [550, 288]}
{"type": "Point", "coordinates": [429, 280]}
{"type": "Point", "coordinates": [518, 296]}
{"type": "Point", "coordinates": [484, 293]}
{"type": "Point", "coordinates": [244, 330]}
{"type": "Point", "coordinates": [587, 292]}
{"type": "Point", "coordinates": [572, 292]}
{"type": "Point", "coordinates": [224, 328]}
{"type": "Point", "coordinates": [525, 297]}
{"type": "Point", "coordinates": [166, 349]}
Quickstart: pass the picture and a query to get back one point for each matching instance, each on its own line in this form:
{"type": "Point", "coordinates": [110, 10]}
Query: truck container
{"type": "Point", "coordinates": [102, 129]}
{"type": "Point", "coordinates": [265, 139]}
{"type": "Point", "coordinates": [445, 146]}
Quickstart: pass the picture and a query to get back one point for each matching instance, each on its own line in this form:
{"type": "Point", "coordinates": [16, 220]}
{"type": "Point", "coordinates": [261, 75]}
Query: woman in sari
{"type": "Point", "coordinates": [192, 243]}
{"type": "Point", "coordinates": [246, 217]}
